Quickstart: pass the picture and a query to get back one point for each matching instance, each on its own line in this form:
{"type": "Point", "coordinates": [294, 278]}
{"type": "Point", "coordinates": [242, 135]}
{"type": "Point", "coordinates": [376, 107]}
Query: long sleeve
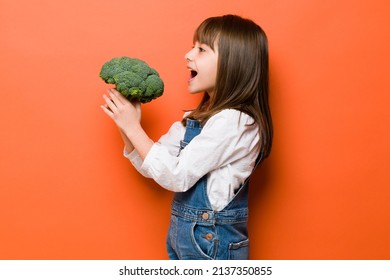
{"type": "Point", "coordinates": [226, 149]}
{"type": "Point", "coordinates": [170, 141]}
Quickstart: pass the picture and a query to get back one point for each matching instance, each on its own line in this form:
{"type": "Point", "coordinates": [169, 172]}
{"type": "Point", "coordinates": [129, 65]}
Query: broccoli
{"type": "Point", "coordinates": [133, 78]}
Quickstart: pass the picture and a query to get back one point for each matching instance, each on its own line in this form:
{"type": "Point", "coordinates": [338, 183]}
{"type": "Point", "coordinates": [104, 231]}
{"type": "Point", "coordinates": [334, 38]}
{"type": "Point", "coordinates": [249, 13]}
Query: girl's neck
{"type": "Point", "coordinates": [206, 103]}
{"type": "Point", "coordinates": [206, 106]}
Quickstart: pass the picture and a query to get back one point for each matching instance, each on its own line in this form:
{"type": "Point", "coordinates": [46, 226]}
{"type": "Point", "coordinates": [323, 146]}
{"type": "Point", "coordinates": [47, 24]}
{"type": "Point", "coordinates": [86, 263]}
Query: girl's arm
{"type": "Point", "coordinates": [127, 117]}
{"type": "Point", "coordinates": [128, 145]}
{"type": "Point", "coordinates": [227, 146]}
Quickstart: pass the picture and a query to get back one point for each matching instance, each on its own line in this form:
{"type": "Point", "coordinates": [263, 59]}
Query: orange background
{"type": "Point", "coordinates": [66, 192]}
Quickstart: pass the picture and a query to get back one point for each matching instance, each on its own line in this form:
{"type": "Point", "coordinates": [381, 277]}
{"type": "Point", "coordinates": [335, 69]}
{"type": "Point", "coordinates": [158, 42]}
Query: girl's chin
{"type": "Point", "coordinates": [194, 92]}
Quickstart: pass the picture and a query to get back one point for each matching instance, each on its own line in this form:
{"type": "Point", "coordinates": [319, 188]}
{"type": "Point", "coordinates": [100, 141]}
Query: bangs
{"type": "Point", "coordinates": [208, 32]}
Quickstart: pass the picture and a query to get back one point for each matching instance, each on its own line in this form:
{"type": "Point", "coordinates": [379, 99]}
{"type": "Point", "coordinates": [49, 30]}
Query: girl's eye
{"type": "Point", "coordinates": [199, 47]}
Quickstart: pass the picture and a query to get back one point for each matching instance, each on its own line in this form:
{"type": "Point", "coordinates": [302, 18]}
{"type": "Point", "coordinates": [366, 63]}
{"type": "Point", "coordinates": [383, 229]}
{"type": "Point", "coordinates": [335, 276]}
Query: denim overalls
{"type": "Point", "coordinates": [196, 231]}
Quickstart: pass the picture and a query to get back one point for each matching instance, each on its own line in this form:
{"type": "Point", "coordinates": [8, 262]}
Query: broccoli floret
{"type": "Point", "coordinates": [129, 84]}
{"type": "Point", "coordinates": [153, 87]}
{"type": "Point", "coordinates": [133, 78]}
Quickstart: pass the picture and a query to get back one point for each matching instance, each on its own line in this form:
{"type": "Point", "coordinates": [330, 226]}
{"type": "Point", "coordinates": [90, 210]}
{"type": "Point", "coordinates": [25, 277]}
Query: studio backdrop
{"type": "Point", "coordinates": [66, 191]}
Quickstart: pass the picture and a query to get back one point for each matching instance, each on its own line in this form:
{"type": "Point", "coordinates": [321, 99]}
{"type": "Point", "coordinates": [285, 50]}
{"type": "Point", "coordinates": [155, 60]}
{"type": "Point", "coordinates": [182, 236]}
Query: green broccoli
{"type": "Point", "coordinates": [133, 78]}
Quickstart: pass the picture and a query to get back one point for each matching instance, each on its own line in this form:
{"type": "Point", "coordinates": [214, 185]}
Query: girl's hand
{"type": "Point", "coordinates": [127, 116]}
{"type": "Point", "coordinates": [124, 113]}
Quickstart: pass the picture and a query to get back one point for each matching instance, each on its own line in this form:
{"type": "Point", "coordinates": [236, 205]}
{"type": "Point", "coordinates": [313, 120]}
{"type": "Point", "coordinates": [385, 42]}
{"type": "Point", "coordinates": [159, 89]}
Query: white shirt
{"type": "Point", "coordinates": [225, 150]}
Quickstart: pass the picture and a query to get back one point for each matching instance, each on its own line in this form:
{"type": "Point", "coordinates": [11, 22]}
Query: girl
{"type": "Point", "coordinates": [207, 158]}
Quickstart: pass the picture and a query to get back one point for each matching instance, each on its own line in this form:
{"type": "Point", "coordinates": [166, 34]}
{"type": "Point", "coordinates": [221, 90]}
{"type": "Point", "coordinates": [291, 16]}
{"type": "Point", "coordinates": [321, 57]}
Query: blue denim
{"type": "Point", "coordinates": [196, 231]}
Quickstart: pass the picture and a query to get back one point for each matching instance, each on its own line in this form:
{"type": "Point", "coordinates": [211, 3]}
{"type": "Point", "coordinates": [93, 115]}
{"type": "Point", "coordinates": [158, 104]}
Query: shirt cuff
{"type": "Point", "coordinates": [134, 158]}
{"type": "Point", "coordinates": [142, 166]}
{"type": "Point", "coordinates": [130, 155]}
{"type": "Point", "coordinates": [150, 157]}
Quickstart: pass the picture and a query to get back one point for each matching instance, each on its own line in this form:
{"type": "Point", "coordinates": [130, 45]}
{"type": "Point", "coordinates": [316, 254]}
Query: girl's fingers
{"type": "Point", "coordinates": [116, 97]}
{"type": "Point", "coordinates": [110, 103]}
{"type": "Point", "coordinates": [107, 110]}
{"type": "Point", "coordinates": [119, 95]}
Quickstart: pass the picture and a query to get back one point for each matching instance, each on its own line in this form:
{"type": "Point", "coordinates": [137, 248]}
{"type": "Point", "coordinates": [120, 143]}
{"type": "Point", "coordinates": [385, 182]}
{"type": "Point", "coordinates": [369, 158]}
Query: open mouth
{"type": "Point", "coordinates": [193, 74]}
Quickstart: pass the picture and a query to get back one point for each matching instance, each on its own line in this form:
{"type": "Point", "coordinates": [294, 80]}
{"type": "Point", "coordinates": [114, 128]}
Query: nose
{"type": "Point", "coordinates": [188, 56]}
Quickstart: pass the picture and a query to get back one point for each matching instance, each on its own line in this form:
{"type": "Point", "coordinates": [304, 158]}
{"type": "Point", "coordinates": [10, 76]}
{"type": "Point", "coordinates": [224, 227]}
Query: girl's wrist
{"type": "Point", "coordinates": [133, 130]}
{"type": "Point", "coordinates": [139, 140]}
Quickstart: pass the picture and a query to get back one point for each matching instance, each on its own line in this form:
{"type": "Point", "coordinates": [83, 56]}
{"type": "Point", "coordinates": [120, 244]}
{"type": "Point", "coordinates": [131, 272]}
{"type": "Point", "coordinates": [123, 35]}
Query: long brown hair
{"type": "Point", "coordinates": [242, 72]}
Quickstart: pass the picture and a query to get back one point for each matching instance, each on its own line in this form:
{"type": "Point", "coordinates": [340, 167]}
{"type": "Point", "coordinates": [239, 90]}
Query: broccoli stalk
{"type": "Point", "coordinates": [133, 78]}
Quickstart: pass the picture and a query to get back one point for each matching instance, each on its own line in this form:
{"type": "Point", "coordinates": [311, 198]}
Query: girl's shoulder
{"type": "Point", "coordinates": [231, 116]}
{"type": "Point", "coordinates": [227, 118]}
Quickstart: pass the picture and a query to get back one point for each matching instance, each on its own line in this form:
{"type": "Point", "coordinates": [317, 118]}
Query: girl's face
{"type": "Point", "coordinates": [202, 62]}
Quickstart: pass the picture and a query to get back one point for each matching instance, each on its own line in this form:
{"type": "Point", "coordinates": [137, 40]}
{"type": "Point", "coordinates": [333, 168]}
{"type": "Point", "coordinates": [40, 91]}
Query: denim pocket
{"type": "Point", "coordinates": [205, 240]}
{"type": "Point", "coordinates": [239, 250]}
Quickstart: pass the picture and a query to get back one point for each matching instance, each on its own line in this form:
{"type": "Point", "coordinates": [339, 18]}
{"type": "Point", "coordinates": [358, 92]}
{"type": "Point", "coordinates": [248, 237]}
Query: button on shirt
{"type": "Point", "coordinates": [225, 150]}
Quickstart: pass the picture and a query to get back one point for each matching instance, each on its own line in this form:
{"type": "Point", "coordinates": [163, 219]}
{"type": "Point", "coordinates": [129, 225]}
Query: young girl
{"type": "Point", "coordinates": [207, 158]}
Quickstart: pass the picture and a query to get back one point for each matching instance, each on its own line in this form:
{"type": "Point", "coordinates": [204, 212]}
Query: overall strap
{"type": "Point", "coordinates": [196, 196]}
